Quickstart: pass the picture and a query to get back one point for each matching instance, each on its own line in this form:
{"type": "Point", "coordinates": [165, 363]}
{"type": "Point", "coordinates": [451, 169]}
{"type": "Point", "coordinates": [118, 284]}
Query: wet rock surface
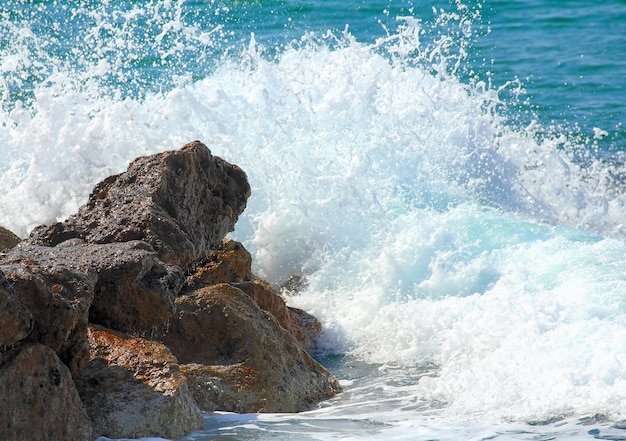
{"type": "Point", "coordinates": [16, 319]}
{"type": "Point", "coordinates": [58, 296]}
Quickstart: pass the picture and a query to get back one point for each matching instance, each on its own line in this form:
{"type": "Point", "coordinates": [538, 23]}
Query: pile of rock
{"type": "Point", "coordinates": [135, 315]}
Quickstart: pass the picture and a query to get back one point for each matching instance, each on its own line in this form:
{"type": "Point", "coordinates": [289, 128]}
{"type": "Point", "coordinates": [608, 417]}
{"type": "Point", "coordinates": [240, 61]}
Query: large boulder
{"type": "Point", "coordinates": [133, 290]}
{"type": "Point", "coordinates": [238, 358]}
{"type": "Point", "coordinates": [39, 399]}
{"type": "Point", "coordinates": [58, 297]}
{"type": "Point", "coordinates": [120, 285]}
{"type": "Point", "coordinates": [181, 202]}
{"type": "Point", "coordinates": [146, 257]}
{"type": "Point", "coordinates": [132, 388]}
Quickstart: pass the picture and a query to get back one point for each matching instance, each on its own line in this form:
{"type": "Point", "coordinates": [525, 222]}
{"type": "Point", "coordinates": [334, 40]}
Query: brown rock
{"type": "Point", "coordinates": [16, 320]}
{"type": "Point", "coordinates": [230, 263]}
{"type": "Point", "coordinates": [239, 358]}
{"type": "Point", "coordinates": [7, 239]}
{"type": "Point", "coordinates": [233, 264]}
{"type": "Point", "coordinates": [309, 324]}
{"type": "Point", "coordinates": [58, 296]}
{"type": "Point", "coordinates": [134, 291]}
{"type": "Point", "coordinates": [133, 388]}
{"type": "Point", "coordinates": [181, 202]}
{"type": "Point", "coordinates": [39, 399]}
{"type": "Point", "coordinates": [290, 319]}
{"type": "Point", "coordinates": [225, 387]}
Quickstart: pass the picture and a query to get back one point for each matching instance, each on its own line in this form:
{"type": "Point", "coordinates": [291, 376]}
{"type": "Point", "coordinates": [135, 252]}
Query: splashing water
{"type": "Point", "coordinates": [478, 262]}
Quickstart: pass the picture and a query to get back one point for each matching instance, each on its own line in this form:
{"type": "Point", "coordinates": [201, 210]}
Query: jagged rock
{"type": "Point", "coordinates": [134, 291]}
{"type": "Point", "coordinates": [310, 325]}
{"type": "Point", "coordinates": [182, 202]}
{"type": "Point", "coordinates": [230, 263]}
{"type": "Point", "coordinates": [131, 290]}
{"type": "Point", "coordinates": [132, 388]}
{"type": "Point", "coordinates": [57, 295]}
{"type": "Point", "coordinates": [147, 253]}
{"type": "Point", "coordinates": [293, 320]}
{"type": "Point", "coordinates": [7, 239]}
{"type": "Point", "coordinates": [238, 357]}
{"type": "Point", "coordinates": [15, 319]}
{"type": "Point", "coordinates": [39, 399]}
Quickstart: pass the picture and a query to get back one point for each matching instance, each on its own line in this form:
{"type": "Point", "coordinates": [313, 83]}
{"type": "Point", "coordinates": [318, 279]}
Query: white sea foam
{"type": "Point", "coordinates": [430, 230]}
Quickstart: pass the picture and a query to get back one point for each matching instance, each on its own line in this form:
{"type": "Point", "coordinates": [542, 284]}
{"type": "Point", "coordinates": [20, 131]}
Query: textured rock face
{"type": "Point", "coordinates": [133, 290]}
{"type": "Point", "coordinates": [58, 296]}
{"type": "Point", "coordinates": [16, 321]}
{"type": "Point", "coordinates": [33, 383]}
{"type": "Point", "coordinates": [303, 327]}
{"type": "Point", "coordinates": [230, 263]}
{"type": "Point", "coordinates": [238, 358]}
{"type": "Point", "coordinates": [181, 202]}
{"type": "Point", "coordinates": [133, 388]}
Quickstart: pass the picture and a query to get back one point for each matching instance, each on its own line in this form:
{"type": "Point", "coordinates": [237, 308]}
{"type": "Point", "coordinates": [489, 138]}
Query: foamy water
{"type": "Point", "coordinates": [468, 272]}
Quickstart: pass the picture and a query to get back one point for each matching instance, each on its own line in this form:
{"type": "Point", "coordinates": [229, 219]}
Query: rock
{"type": "Point", "coordinates": [233, 264]}
{"type": "Point", "coordinates": [132, 388]}
{"type": "Point", "coordinates": [16, 319]}
{"type": "Point", "coordinates": [131, 289]}
{"type": "Point", "coordinates": [147, 255]}
{"type": "Point", "coordinates": [39, 399]}
{"type": "Point", "coordinates": [181, 202]}
{"type": "Point", "coordinates": [225, 387]}
{"type": "Point", "coordinates": [230, 263]}
{"type": "Point", "coordinates": [134, 291]}
{"type": "Point", "coordinates": [57, 295]}
{"type": "Point", "coordinates": [238, 358]}
{"type": "Point", "coordinates": [310, 325]}
{"type": "Point", "coordinates": [293, 320]}
{"type": "Point", "coordinates": [7, 239]}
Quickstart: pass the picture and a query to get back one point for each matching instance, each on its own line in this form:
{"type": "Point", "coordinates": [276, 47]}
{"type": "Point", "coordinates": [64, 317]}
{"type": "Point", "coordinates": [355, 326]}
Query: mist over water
{"type": "Point", "coordinates": [467, 263]}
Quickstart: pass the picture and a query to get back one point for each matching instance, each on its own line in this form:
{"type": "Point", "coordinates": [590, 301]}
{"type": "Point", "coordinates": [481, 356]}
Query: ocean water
{"type": "Point", "coordinates": [447, 179]}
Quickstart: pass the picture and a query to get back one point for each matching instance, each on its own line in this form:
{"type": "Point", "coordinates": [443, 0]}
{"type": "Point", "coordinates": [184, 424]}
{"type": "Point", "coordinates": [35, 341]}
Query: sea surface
{"type": "Point", "coordinates": [446, 177]}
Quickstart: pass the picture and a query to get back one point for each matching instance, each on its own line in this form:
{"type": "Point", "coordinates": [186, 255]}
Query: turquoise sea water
{"type": "Point", "coordinates": [446, 176]}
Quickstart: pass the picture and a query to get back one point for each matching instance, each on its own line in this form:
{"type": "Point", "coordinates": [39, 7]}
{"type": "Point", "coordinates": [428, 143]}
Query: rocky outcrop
{"type": "Point", "coordinates": [181, 202]}
{"type": "Point", "coordinates": [99, 310]}
{"type": "Point", "coordinates": [133, 388]}
{"type": "Point", "coordinates": [238, 357]}
{"type": "Point", "coordinates": [39, 398]}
